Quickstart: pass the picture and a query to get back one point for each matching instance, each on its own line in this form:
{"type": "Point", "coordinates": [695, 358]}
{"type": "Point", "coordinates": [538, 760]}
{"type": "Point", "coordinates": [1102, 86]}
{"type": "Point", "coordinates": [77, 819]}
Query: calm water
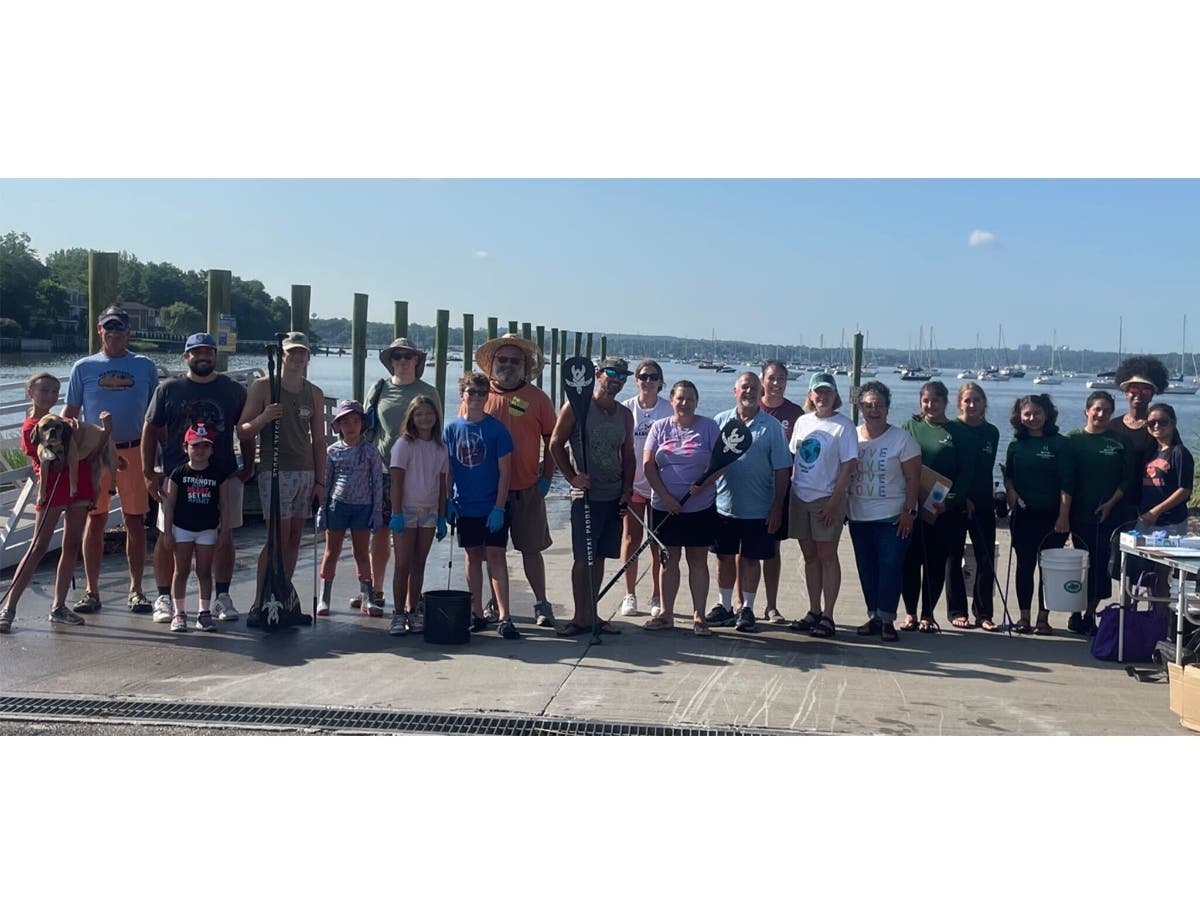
{"type": "Point", "coordinates": [333, 374]}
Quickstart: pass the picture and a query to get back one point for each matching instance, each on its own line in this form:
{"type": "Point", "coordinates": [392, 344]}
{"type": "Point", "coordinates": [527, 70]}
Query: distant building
{"type": "Point", "coordinates": [142, 317]}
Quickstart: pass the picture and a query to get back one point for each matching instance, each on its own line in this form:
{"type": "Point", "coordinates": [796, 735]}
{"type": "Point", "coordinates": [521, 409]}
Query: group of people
{"type": "Point", "coordinates": [397, 478]}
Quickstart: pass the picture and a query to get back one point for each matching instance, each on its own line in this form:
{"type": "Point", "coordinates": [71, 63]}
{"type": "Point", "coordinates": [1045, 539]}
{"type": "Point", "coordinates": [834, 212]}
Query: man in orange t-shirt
{"type": "Point", "coordinates": [510, 362]}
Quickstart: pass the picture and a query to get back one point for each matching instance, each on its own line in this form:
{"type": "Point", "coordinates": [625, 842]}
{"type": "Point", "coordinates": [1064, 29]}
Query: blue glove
{"type": "Point", "coordinates": [495, 520]}
{"type": "Point", "coordinates": [544, 486]}
{"type": "Point", "coordinates": [396, 523]}
{"type": "Point", "coordinates": [441, 527]}
{"type": "Point", "coordinates": [451, 510]}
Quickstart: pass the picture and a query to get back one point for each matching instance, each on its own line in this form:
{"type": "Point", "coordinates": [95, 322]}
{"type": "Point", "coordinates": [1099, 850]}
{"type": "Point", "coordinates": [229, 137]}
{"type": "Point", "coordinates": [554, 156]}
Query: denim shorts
{"type": "Point", "coordinates": [348, 516]}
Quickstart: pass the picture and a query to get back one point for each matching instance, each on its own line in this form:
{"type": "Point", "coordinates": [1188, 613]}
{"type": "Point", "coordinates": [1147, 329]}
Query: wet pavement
{"type": "Point", "coordinates": [952, 683]}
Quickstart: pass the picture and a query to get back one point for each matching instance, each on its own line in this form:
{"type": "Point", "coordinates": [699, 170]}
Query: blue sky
{"type": "Point", "coordinates": [760, 260]}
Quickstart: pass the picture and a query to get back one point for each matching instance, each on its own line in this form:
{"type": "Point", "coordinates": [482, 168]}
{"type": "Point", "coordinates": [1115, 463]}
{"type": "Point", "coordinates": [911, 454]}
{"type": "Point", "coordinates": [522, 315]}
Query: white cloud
{"type": "Point", "coordinates": [481, 254]}
{"type": "Point", "coordinates": [981, 238]}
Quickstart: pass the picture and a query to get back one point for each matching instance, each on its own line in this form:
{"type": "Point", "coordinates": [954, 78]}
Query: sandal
{"type": "Point", "coordinates": [962, 622]}
{"type": "Point", "coordinates": [806, 623]}
{"type": "Point", "coordinates": [1023, 627]}
{"type": "Point", "coordinates": [988, 625]}
{"type": "Point", "coordinates": [700, 629]}
{"type": "Point", "coordinates": [873, 626]}
{"type": "Point", "coordinates": [479, 624]}
{"type": "Point", "coordinates": [823, 628]}
{"type": "Point", "coordinates": [928, 626]}
{"type": "Point", "coordinates": [910, 624]}
{"type": "Point", "coordinates": [887, 633]}
{"type": "Point", "coordinates": [1043, 628]}
{"type": "Point", "coordinates": [658, 623]}
{"type": "Point", "coordinates": [574, 629]}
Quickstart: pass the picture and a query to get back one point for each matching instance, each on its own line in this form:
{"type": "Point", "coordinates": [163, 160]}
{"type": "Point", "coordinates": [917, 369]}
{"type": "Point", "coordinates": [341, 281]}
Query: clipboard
{"type": "Point", "coordinates": [933, 489]}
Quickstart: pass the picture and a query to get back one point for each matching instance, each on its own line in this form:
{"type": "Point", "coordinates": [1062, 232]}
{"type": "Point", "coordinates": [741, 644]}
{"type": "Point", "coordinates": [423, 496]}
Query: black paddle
{"type": "Point", "coordinates": [735, 441]}
{"type": "Point", "coordinates": [279, 602]}
{"type": "Point", "coordinates": [579, 380]}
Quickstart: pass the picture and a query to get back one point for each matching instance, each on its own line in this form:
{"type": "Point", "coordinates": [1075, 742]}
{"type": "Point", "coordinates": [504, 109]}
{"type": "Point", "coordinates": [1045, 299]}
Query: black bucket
{"type": "Point", "coordinates": [447, 617]}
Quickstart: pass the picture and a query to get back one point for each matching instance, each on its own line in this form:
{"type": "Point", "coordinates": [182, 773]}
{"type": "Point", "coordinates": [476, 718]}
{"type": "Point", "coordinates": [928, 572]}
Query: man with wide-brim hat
{"type": "Point", "coordinates": [387, 403]}
{"type": "Point", "coordinates": [510, 362]}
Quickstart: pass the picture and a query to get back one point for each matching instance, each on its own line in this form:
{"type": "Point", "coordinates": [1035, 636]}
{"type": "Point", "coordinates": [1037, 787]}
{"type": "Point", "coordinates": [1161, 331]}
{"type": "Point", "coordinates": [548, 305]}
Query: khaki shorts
{"type": "Point", "coordinates": [131, 486]}
{"type": "Point", "coordinates": [804, 521]}
{"type": "Point", "coordinates": [527, 520]}
{"type": "Point", "coordinates": [237, 493]}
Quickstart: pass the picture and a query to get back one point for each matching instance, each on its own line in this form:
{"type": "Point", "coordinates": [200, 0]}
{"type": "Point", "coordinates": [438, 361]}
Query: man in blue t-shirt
{"type": "Point", "coordinates": [119, 383]}
{"type": "Point", "coordinates": [750, 500]}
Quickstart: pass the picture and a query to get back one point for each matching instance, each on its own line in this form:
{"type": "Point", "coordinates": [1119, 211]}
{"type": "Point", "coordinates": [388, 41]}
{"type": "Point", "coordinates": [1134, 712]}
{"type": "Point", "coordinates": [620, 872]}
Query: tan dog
{"type": "Point", "coordinates": [64, 441]}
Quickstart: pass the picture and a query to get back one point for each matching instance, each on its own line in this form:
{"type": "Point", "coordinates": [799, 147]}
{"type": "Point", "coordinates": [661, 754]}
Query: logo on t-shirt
{"type": "Point", "coordinates": [115, 381]}
{"type": "Point", "coordinates": [809, 450]}
{"type": "Point", "coordinates": [470, 449]}
{"type": "Point", "coordinates": [517, 406]}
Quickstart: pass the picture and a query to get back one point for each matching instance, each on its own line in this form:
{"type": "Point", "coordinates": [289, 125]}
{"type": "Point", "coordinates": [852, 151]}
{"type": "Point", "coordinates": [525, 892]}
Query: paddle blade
{"type": "Point", "coordinates": [579, 380]}
{"type": "Point", "coordinates": [735, 441]}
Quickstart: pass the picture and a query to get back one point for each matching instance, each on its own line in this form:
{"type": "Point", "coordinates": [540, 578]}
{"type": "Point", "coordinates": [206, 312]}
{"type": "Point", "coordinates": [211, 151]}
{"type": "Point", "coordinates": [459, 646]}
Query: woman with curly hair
{"type": "Point", "coordinates": [1039, 476]}
{"type": "Point", "coordinates": [1140, 377]}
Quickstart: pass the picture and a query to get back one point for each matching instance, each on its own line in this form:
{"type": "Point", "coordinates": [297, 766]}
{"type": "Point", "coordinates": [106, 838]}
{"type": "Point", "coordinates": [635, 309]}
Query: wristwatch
{"type": "Point", "coordinates": [912, 513]}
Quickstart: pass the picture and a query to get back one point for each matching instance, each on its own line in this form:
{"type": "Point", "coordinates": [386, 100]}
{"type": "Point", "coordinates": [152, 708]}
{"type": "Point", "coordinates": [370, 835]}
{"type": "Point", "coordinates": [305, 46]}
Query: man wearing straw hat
{"type": "Point", "coordinates": [510, 362]}
{"type": "Point", "coordinates": [387, 402]}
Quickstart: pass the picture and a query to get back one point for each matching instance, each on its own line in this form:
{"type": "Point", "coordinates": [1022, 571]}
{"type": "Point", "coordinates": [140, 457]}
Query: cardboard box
{"type": "Point", "coordinates": [1185, 694]}
{"type": "Point", "coordinates": [1175, 673]}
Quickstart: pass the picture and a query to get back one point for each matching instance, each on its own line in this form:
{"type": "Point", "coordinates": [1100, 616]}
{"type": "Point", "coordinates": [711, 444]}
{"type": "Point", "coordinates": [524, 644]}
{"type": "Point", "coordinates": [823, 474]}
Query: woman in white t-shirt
{"type": "Point", "coordinates": [882, 508]}
{"type": "Point", "coordinates": [647, 408]}
{"type": "Point", "coordinates": [825, 447]}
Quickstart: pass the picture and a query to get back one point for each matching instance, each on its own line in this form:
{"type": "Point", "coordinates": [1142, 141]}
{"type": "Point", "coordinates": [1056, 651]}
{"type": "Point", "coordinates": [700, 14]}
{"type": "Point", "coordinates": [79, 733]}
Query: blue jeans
{"type": "Point", "coordinates": [879, 556]}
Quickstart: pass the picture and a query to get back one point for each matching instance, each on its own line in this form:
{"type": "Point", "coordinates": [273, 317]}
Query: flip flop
{"type": "Point", "coordinates": [574, 629]}
{"type": "Point", "coordinates": [658, 623]}
{"type": "Point", "coordinates": [1043, 628]}
{"type": "Point", "coordinates": [909, 625]}
{"type": "Point", "coordinates": [823, 628]}
{"type": "Point", "coordinates": [699, 629]}
{"type": "Point", "coordinates": [608, 628]}
{"type": "Point", "coordinates": [1022, 628]}
{"type": "Point", "coordinates": [988, 625]}
{"type": "Point", "coordinates": [928, 626]}
{"type": "Point", "coordinates": [962, 622]}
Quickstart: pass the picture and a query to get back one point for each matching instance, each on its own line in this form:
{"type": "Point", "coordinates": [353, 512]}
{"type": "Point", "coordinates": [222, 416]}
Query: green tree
{"type": "Point", "coordinates": [181, 318]}
{"type": "Point", "coordinates": [20, 273]}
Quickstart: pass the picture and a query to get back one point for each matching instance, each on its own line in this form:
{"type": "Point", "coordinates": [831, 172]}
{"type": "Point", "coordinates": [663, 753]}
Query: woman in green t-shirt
{"type": "Point", "coordinates": [1039, 478]}
{"type": "Point", "coordinates": [1105, 469]}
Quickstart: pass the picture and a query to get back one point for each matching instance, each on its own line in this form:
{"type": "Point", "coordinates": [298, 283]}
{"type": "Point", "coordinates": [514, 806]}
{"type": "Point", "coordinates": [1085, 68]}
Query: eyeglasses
{"type": "Point", "coordinates": [510, 360]}
{"type": "Point", "coordinates": [115, 325]}
{"type": "Point", "coordinates": [616, 374]}
{"type": "Point", "coordinates": [476, 392]}
{"type": "Point", "coordinates": [1158, 423]}
{"type": "Point", "coordinates": [647, 376]}
{"type": "Point", "coordinates": [404, 356]}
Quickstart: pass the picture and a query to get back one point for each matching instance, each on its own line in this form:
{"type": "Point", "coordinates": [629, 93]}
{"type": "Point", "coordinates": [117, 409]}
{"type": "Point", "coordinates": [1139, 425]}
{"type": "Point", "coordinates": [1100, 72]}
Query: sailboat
{"type": "Point", "coordinates": [1050, 376]}
{"type": "Point", "coordinates": [1177, 385]}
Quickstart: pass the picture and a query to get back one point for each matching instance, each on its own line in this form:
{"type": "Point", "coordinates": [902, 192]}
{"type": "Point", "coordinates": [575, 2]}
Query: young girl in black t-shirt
{"type": "Point", "coordinates": [193, 511]}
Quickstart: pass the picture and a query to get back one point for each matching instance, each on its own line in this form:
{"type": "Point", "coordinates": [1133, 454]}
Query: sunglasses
{"type": "Point", "coordinates": [1158, 423]}
{"type": "Point", "coordinates": [476, 392]}
{"type": "Point", "coordinates": [648, 376]}
{"type": "Point", "coordinates": [115, 325]}
{"type": "Point", "coordinates": [616, 373]}
{"type": "Point", "coordinates": [404, 356]}
{"type": "Point", "coordinates": [511, 360]}
{"type": "Point", "coordinates": [1139, 389]}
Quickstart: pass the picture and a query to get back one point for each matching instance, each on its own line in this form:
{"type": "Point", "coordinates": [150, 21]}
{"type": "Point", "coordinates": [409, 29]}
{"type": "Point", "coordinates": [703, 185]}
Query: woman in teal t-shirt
{"type": "Point", "coordinates": [1039, 476]}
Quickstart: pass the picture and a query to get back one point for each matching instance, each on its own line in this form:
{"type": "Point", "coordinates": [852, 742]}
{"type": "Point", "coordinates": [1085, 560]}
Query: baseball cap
{"type": "Point", "coordinates": [295, 339]}
{"type": "Point", "coordinates": [198, 434]}
{"type": "Point", "coordinates": [113, 312]}
{"type": "Point", "coordinates": [199, 340]}
{"type": "Point", "coordinates": [822, 380]}
{"type": "Point", "coordinates": [615, 362]}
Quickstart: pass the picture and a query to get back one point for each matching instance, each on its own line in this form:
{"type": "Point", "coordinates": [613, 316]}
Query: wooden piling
{"type": "Point", "coordinates": [493, 328]}
{"type": "Point", "coordinates": [554, 365]}
{"type": "Point", "coordinates": [468, 342]}
{"type": "Point", "coordinates": [301, 301]}
{"type": "Point", "coordinates": [856, 373]}
{"type": "Point", "coordinates": [358, 347]}
{"type": "Point", "coordinates": [441, 337]}
{"type": "Point", "coordinates": [220, 282]}
{"type": "Point", "coordinates": [589, 346]}
{"type": "Point", "coordinates": [527, 331]}
{"type": "Point", "coordinates": [512, 327]}
{"type": "Point", "coordinates": [579, 343]}
{"type": "Point", "coordinates": [102, 292]}
{"type": "Point", "coordinates": [401, 328]}
{"type": "Point", "coordinates": [603, 346]}
{"type": "Point", "coordinates": [541, 342]}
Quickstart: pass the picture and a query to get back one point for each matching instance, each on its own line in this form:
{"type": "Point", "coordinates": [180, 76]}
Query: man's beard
{"type": "Point", "coordinates": [201, 367]}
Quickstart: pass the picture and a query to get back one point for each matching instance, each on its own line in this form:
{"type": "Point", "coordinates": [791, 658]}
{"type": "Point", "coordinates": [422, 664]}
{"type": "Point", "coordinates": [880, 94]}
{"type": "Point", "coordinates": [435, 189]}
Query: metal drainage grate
{"type": "Point", "coordinates": [313, 718]}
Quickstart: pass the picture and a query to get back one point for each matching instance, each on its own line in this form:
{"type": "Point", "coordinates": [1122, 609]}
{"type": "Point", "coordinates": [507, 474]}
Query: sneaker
{"type": "Point", "coordinates": [371, 606]}
{"type": "Point", "coordinates": [224, 610]}
{"type": "Point", "coordinates": [507, 629]}
{"type": "Point", "coordinates": [655, 607]}
{"type": "Point", "coordinates": [629, 605]}
{"type": "Point", "coordinates": [138, 602]}
{"type": "Point", "coordinates": [179, 623]}
{"type": "Point", "coordinates": [491, 612]}
{"type": "Point", "coordinates": [1075, 623]}
{"type": "Point", "coordinates": [774, 616]}
{"type": "Point", "coordinates": [399, 624]}
{"type": "Point", "coordinates": [745, 619]}
{"type": "Point", "coordinates": [416, 622]}
{"type": "Point", "coordinates": [719, 615]}
{"type": "Point", "coordinates": [356, 601]}
{"type": "Point", "coordinates": [543, 614]}
{"type": "Point", "coordinates": [6, 620]}
{"type": "Point", "coordinates": [204, 621]}
{"type": "Point", "coordinates": [254, 618]}
{"type": "Point", "coordinates": [322, 607]}
{"type": "Point", "coordinates": [88, 603]}
{"type": "Point", "coordinates": [163, 610]}
{"type": "Point", "coordinates": [60, 615]}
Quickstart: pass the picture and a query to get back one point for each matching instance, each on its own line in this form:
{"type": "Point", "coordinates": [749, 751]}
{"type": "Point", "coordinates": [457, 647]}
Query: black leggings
{"type": "Point", "coordinates": [933, 547]}
{"type": "Point", "coordinates": [982, 528]}
{"type": "Point", "coordinates": [1030, 527]}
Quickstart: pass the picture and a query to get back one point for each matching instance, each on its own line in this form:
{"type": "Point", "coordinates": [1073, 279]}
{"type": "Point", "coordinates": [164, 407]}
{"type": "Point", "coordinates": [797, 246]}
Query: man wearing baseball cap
{"type": "Point", "coordinates": [116, 382]}
{"type": "Point", "coordinates": [202, 395]}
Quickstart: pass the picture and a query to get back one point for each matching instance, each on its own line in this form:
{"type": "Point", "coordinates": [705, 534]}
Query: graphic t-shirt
{"type": "Point", "coordinates": [121, 385]}
{"type": "Point", "coordinates": [58, 488]}
{"type": "Point", "coordinates": [1165, 473]}
{"type": "Point", "coordinates": [642, 420]}
{"type": "Point", "coordinates": [786, 414]}
{"type": "Point", "coordinates": [424, 463]}
{"type": "Point", "coordinates": [877, 488]}
{"type": "Point", "coordinates": [746, 489]}
{"type": "Point", "coordinates": [197, 498]}
{"type": "Point", "coordinates": [682, 456]}
{"type": "Point", "coordinates": [179, 403]}
{"type": "Point", "coordinates": [354, 476]}
{"type": "Point", "coordinates": [529, 416]}
{"type": "Point", "coordinates": [475, 452]}
{"type": "Point", "coordinates": [820, 446]}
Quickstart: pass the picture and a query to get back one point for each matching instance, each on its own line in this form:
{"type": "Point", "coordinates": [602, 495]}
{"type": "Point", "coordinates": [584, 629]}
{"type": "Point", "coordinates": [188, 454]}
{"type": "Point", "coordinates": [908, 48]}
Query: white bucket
{"type": "Point", "coordinates": [1064, 579]}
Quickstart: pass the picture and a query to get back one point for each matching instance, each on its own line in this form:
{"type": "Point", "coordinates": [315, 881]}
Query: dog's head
{"type": "Point", "coordinates": [52, 437]}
